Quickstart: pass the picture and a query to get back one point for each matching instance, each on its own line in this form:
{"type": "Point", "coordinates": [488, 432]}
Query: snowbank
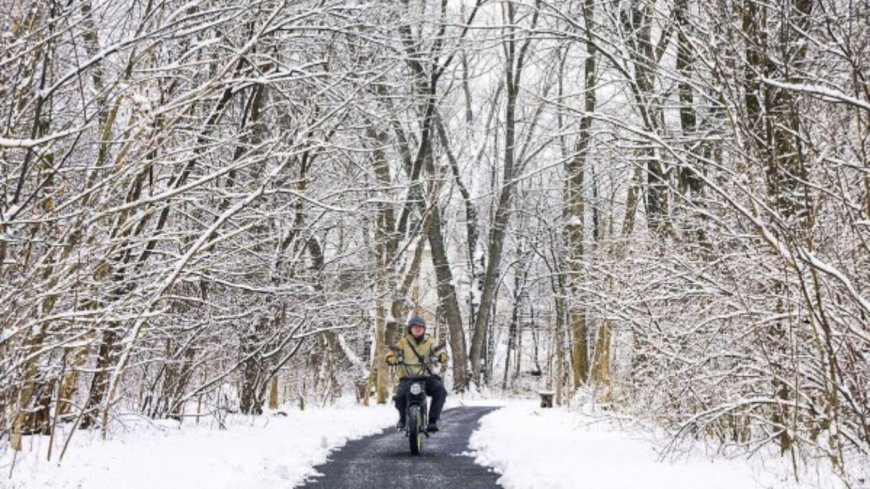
{"type": "Point", "coordinates": [560, 449]}
{"type": "Point", "coordinates": [253, 453]}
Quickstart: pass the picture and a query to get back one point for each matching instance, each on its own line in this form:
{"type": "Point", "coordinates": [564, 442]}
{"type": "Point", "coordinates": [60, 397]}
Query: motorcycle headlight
{"type": "Point", "coordinates": [416, 389]}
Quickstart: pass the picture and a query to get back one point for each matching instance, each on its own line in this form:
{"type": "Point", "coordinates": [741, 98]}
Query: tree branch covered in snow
{"type": "Point", "coordinates": [659, 206]}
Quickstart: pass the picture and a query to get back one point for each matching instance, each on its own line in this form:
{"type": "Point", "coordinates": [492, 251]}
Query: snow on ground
{"type": "Point", "coordinates": [530, 447]}
{"type": "Point", "coordinates": [264, 452]}
{"type": "Point", "coordinates": [562, 449]}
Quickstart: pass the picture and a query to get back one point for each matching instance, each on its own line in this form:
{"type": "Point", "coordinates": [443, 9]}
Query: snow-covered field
{"type": "Point", "coordinates": [266, 452]}
{"type": "Point", "coordinates": [559, 449]}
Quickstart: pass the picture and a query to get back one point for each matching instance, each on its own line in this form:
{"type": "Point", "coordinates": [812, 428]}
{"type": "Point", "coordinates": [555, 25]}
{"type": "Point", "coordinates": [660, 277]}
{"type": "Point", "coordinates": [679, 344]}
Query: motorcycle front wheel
{"type": "Point", "coordinates": [415, 430]}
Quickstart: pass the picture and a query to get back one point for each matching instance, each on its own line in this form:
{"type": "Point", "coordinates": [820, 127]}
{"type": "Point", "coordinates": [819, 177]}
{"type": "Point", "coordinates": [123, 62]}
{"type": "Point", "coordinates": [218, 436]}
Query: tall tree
{"type": "Point", "coordinates": [516, 52]}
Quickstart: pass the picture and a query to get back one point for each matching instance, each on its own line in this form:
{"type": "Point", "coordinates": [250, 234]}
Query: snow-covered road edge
{"type": "Point", "coordinates": [560, 449]}
{"type": "Point", "coordinates": [262, 452]}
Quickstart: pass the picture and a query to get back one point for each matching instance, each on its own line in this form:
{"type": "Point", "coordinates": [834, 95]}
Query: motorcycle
{"type": "Point", "coordinates": [416, 407]}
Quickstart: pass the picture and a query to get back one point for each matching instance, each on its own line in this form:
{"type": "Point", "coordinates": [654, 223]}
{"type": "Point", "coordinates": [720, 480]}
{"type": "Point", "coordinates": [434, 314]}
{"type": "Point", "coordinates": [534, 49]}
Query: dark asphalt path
{"type": "Point", "coordinates": [383, 461]}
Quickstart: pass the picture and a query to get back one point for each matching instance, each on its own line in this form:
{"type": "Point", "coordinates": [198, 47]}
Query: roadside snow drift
{"type": "Point", "coordinates": [265, 452]}
{"type": "Point", "coordinates": [559, 449]}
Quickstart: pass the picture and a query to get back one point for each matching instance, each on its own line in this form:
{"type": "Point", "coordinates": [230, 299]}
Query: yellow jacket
{"type": "Point", "coordinates": [426, 349]}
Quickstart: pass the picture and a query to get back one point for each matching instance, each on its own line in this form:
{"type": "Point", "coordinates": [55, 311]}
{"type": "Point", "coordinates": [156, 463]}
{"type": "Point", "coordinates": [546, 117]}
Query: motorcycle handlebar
{"type": "Point", "coordinates": [437, 349]}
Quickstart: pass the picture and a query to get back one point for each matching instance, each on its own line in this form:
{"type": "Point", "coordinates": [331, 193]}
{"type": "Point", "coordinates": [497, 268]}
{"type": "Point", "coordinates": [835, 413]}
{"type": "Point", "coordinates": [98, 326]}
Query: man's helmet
{"type": "Point", "coordinates": [416, 320]}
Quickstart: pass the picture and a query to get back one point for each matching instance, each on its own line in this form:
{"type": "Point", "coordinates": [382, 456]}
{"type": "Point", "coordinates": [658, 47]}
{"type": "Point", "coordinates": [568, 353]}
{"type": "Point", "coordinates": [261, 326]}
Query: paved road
{"type": "Point", "coordinates": [383, 461]}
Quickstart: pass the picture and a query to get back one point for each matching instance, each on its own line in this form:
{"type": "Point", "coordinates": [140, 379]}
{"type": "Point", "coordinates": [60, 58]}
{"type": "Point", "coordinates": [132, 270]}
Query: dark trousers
{"type": "Point", "coordinates": [434, 389]}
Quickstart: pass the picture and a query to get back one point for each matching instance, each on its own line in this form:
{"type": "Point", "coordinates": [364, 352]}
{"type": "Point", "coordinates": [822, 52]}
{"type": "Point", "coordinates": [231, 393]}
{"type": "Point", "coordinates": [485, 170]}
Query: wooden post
{"type": "Point", "coordinates": [546, 398]}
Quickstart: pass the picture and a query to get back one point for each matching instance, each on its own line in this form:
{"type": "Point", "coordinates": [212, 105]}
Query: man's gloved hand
{"type": "Point", "coordinates": [392, 360]}
{"type": "Point", "coordinates": [443, 358]}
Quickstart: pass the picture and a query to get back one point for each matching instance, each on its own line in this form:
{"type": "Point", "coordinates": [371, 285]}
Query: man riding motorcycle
{"type": "Point", "coordinates": [415, 346]}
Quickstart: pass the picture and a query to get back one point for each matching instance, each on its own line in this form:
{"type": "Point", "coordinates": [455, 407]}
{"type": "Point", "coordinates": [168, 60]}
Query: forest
{"type": "Point", "coordinates": [661, 207]}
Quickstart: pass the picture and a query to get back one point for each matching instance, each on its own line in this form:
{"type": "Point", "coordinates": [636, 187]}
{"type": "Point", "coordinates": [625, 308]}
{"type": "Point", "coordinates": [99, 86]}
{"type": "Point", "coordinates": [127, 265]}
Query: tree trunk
{"type": "Point", "coordinates": [575, 216]}
{"type": "Point", "coordinates": [601, 363]}
{"type": "Point", "coordinates": [380, 366]}
{"type": "Point", "coordinates": [448, 300]}
{"type": "Point", "coordinates": [560, 348]}
{"type": "Point", "coordinates": [513, 327]}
